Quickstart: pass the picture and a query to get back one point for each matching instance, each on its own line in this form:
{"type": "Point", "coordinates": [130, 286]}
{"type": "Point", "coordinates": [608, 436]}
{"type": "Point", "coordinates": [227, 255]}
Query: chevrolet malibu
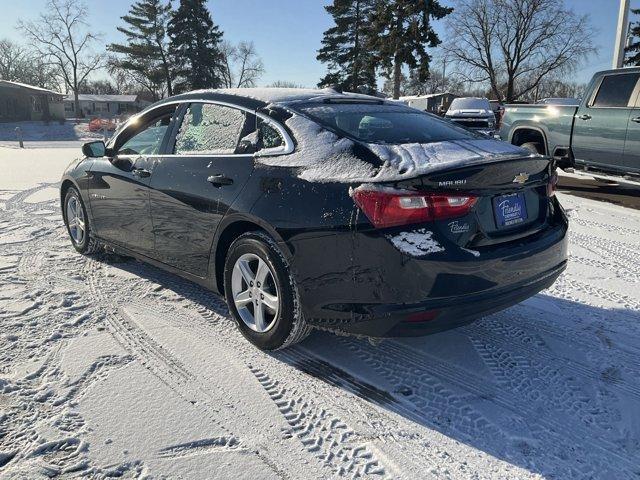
{"type": "Point", "coordinates": [318, 209]}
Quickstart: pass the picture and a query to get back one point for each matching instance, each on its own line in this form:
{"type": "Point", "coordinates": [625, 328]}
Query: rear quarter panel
{"type": "Point", "coordinates": [555, 122]}
{"type": "Point", "coordinates": [312, 223]}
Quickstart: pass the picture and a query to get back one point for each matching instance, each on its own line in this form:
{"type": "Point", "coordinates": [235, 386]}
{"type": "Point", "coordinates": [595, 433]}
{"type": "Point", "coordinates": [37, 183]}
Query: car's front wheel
{"type": "Point", "coordinates": [261, 294]}
{"type": "Point", "coordinates": [77, 222]}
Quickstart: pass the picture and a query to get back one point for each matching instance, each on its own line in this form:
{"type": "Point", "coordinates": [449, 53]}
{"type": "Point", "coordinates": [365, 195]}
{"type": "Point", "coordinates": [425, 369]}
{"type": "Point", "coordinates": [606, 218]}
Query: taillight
{"type": "Point", "coordinates": [389, 208]}
{"type": "Point", "coordinates": [552, 186]}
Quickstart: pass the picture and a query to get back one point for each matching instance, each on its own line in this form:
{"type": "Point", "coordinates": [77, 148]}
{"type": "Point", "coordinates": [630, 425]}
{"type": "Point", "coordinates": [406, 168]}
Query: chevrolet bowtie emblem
{"type": "Point", "coordinates": [521, 178]}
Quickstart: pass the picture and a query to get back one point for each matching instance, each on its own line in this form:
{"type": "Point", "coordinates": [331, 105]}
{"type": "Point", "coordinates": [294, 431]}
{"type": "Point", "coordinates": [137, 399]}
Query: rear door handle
{"type": "Point", "coordinates": [141, 172]}
{"type": "Point", "coordinates": [219, 180]}
{"type": "Point", "coordinates": [636, 119]}
{"type": "Point", "coordinates": [585, 117]}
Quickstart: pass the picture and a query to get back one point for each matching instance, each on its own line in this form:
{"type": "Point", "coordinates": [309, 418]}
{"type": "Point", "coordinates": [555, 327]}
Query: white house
{"type": "Point", "coordinates": [20, 102]}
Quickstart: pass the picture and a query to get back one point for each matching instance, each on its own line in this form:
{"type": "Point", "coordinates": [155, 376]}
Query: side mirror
{"type": "Point", "coordinates": [245, 146]}
{"type": "Point", "coordinates": [94, 149]}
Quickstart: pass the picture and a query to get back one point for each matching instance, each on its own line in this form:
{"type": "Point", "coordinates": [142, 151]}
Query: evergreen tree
{"type": "Point", "coordinates": [344, 47]}
{"type": "Point", "coordinates": [146, 51]}
{"type": "Point", "coordinates": [634, 46]}
{"type": "Point", "coordinates": [400, 34]}
{"type": "Point", "coordinates": [195, 47]}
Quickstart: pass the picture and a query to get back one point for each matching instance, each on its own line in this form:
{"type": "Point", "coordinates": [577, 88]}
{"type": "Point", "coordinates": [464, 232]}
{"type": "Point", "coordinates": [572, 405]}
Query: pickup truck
{"type": "Point", "coordinates": [601, 135]}
{"type": "Point", "coordinates": [474, 113]}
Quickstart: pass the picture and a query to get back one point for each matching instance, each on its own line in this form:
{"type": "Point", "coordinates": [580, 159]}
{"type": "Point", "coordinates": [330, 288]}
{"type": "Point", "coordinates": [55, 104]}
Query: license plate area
{"type": "Point", "coordinates": [510, 210]}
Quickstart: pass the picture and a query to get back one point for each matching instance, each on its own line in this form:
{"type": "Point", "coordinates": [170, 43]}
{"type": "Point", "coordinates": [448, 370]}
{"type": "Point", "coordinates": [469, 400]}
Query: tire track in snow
{"type": "Point", "coordinates": [607, 227]}
{"type": "Point", "coordinates": [177, 375]}
{"type": "Point", "coordinates": [531, 349]}
{"type": "Point", "coordinates": [623, 254]}
{"type": "Point", "coordinates": [17, 201]}
{"type": "Point", "coordinates": [435, 404]}
{"type": "Point", "coordinates": [609, 267]}
{"type": "Point", "coordinates": [226, 332]}
{"type": "Point", "coordinates": [322, 434]}
{"type": "Point", "coordinates": [391, 438]}
{"type": "Point", "coordinates": [567, 284]}
{"type": "Point", "coordinates": [555, 394]}
{"type": "Point", "coordinates": [601, 346]}
{"type": "Point", "coordinates": [387, 353]}
{"type": "Point", "coordinates": [312, 424]}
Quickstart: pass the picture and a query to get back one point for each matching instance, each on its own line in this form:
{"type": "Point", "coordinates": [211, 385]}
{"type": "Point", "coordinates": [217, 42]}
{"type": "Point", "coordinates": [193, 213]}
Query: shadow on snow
{"type": "Point", "coordinates": [549, 385]}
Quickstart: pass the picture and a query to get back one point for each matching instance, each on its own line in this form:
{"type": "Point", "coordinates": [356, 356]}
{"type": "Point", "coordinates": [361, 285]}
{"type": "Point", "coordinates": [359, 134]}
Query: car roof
{"type": "Point", "coordinates": [255, 98]}
{"type": "Point", "coordinates": [633, 69]}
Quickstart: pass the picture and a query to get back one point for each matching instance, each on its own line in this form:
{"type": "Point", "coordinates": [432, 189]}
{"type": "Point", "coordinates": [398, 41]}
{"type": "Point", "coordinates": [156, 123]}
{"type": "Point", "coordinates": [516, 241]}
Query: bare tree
{"type": "Point", "coordinates": [12, 58]}
{"type": "Point", "coordinates": [514, 44]}
{"type": "Point", "coordinates": [19, 64]}
{"type": "Point", "coordinates": [285, 84]}
{"type": "Point", "coordinates": [242, 67]}
{"type": "Point", "coordinates": [62, 36]}
{"type": "Point", "coordinates": [555, 88]}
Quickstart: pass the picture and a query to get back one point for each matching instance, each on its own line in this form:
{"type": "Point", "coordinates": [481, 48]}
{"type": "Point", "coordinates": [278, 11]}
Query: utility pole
{"type": "Point", "coordinates": [621, 34]}
{"type": "Point", "coordinates": [444, 72]}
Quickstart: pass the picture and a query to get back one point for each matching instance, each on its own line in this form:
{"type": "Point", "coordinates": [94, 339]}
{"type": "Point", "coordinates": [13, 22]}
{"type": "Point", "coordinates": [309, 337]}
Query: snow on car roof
{"type": "Point", "coordinates": [275, 94]}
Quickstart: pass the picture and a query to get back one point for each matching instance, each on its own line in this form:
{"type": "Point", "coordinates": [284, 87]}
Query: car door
{"type": "Point", "coordinates": [193, 186]}
{"type": "Point", "coordinates": [631, 156]}
{"type": "Point", "coordinates": [119, 183]}
{"type": "Point", "coordinates": [600, 126]}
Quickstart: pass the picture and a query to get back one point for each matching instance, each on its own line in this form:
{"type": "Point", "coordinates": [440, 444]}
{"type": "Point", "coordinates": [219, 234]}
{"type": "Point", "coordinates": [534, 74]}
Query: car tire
{"type": "Point", "coordinates": [77, 222]}
{"type": "Point", "coordinates": [533, 147]}
{"type": "Point", "coordinates": [261, 293]}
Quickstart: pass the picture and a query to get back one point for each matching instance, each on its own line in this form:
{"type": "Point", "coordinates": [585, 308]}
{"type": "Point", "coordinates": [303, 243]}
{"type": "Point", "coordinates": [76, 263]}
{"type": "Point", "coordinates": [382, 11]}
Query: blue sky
{"type": "Point", "coordinates": [287, 33]}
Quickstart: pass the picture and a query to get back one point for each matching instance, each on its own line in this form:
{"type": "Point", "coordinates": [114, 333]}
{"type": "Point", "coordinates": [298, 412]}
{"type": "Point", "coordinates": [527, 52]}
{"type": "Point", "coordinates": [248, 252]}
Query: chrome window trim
{"type": "Point", "coordinates": [184, 155]}
{"type": "Point", "coordinates": [287, 148]}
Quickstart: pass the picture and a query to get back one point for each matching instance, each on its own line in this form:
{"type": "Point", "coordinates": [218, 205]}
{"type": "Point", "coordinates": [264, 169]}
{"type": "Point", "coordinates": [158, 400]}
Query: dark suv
{"type": "Point", "coordinates": [310, 208]}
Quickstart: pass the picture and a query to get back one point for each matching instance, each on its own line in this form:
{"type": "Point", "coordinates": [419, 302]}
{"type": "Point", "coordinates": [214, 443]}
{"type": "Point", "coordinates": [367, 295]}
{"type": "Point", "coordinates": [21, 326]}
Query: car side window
{"type": "Point", "coordinates": [147, 141]}
{"type": "Point", "coordinates": [210, 129]}
{"type": "Point", "coordinates": [264, 136]}
{"type": "Point", "coordinates": [268, 136]}
{"type": "Point", "coordinates": [616, 90]}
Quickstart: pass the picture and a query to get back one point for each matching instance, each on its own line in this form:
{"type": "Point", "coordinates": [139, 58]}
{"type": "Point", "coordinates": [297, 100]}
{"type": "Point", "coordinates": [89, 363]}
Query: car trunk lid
{"type": "Point", "coordinates": [509, 199]}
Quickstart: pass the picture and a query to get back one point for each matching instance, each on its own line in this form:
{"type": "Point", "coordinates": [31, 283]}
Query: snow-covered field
{"type": "Point", "coordinates": [37, 134]}
{"type": "Point", "coordinates": [109, 367]}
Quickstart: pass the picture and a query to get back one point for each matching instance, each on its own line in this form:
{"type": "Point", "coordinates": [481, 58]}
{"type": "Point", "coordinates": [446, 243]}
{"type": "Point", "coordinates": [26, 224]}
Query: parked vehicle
{"type": "Point", "coordinates": [601, 135]}
{"type": "Point", "coordinates": [473, 113]}
{"type": "Point", "coordinates": [309, 208]}
{"type": "Point", "coordinates": [437, 103]}
{"type": "Point", "coordinates": [498, 111]}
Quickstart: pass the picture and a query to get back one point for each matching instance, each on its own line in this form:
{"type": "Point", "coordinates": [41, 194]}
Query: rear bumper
{"type": "Point", "coordinates": [391, 320]}
{"type": "Point", "coordinates": [372, 288]}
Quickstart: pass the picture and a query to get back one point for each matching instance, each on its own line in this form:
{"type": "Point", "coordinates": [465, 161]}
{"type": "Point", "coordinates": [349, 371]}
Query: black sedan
{"type": "Point", "coordinates": [318, 209]}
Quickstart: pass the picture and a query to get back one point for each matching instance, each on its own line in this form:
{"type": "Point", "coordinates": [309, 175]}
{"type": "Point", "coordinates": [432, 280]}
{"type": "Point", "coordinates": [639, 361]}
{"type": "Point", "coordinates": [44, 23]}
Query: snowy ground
{"type": "Point", "coordinates": [109, 367]}
{"type": "Point", "coordinates": [37, 134]}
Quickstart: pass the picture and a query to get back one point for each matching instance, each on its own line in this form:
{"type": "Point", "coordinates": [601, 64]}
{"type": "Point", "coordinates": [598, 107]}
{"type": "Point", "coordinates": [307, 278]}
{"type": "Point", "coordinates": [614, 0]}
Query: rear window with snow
{"type": "Point", "coordinates": [383, 123]}
{"type": "Point", "coordinates": [209, 128]}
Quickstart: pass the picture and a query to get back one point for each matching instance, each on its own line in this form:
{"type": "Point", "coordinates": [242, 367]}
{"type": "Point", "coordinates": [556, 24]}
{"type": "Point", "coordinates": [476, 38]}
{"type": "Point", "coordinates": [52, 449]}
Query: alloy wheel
{"type": "Point", "coordinates": [75, 220]}
{"type": "Point", "coordinates": [255, 292]}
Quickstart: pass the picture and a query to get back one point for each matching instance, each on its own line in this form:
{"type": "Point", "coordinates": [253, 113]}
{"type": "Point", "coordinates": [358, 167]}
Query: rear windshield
{"type": "Point", "coordinates": [383, 123]}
